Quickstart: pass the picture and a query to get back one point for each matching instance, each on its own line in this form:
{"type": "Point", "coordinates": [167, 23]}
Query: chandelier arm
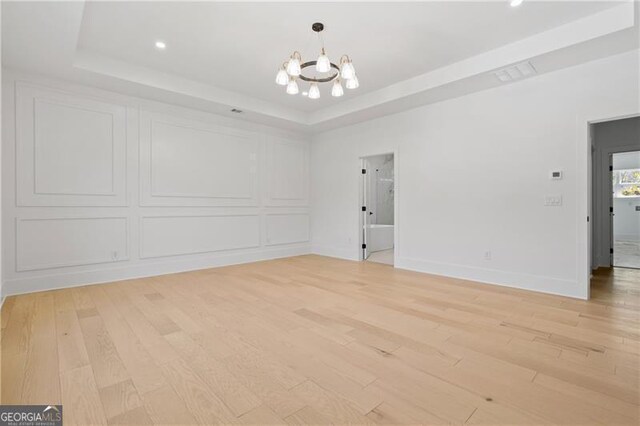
{"type": "Point", "coordinates": [319, 80]}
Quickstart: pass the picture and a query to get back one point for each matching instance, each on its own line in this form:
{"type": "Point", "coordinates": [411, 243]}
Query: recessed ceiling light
{"type": "Point", "coordinates": [515, 3]}
{"type": "Point", "coordinates": [161, 45]}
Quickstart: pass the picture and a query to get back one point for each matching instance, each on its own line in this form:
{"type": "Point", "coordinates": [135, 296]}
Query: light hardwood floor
{"type": "Point", "coordinates": [314, 340]}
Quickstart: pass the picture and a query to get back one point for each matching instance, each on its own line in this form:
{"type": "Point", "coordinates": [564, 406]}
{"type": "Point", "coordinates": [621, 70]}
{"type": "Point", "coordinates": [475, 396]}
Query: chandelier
{"type": "Point", "coordinates": [292, 70]}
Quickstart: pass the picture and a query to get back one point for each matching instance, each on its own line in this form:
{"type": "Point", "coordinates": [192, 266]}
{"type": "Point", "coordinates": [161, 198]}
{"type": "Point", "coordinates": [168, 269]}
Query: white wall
{"type": "Point", "coordinates": [472, 176]}
{"type": "Point", "coordinates": [99, 187]}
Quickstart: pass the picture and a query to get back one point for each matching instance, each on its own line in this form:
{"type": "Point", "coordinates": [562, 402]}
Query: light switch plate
{"type": "Point", "coordinates": [553, 200]}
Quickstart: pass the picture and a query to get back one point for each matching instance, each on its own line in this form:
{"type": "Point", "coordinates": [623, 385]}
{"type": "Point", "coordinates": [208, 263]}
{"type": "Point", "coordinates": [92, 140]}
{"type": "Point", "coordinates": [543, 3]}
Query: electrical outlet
{"type": "Point", "coordinates": [487, 255]}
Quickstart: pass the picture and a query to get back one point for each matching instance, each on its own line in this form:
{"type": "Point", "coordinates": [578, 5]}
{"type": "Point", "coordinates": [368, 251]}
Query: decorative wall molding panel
{"type": "Point", "coordinates": [287, 228]}
{"type": "Point", "coordinates": [46, 243]}
{"type": "Point", "coordinates": [193, 163]}
{"type": "Point", "coordinates": [288, 171]}
{"type": "Point", "coordinates": [179, 235]}
{"type": "Point", "coordinates": [99, 186]}
{"type": "Point", "coordinates": [70, 150]}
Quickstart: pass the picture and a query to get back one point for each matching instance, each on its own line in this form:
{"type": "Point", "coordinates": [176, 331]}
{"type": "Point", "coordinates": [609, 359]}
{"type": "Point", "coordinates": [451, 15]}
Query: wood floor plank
{"type": "Point", "coordinates": [316, 340]}
{"type": "Point", "coordinates": [41, 377]}
{"type": "Point", "coordinates": [80, 398]}
{"type": "Point", "coordinates": [137, 416]}
{"type": "Point", "coordinates": [331, 406]}
{"type": "Point", "coordinates": [152, 341]}
{"type": "Point", "coordinates": [261, 415]}
{"type": "Point", "coordinates": [119, 398]}
{"type": "Point", "coordinates": [140, 365]}
{"type": "Point", "coordinates": [272, 393]}
{"type": "Point", "coordinates": [5, 312]}
{"type": "Point", "coordinates": [165, 406]}
{"type": "Point", "coordinates": [199, 398]}
{"type": "Point", "coordinates": [72, 352]}
{"type": "Point", "coordinates": [306, 416]}
{"type": "Point", "coordinates": [16, 341]}
{"type": "Point", "coordinates": [105, 361]}
{"type": "Point", "coordinates": [215, 374]}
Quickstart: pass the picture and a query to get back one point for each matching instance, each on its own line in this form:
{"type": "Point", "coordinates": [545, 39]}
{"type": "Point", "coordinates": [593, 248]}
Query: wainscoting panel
{"type": "Point", "coordinates": [46, 243]}
{"type": "Point", "coordinates": [189, 163]}
{"type": "Point", "coordinates": [99, 186]}
{"type": "Point", "coordinates": [181, 235]}
{"type": "Point", "coordinates": [287, 168]}
{"type": "Point", "coordinates": [71, 150]}
{"type": "Point", "coordinates": [287, 228]}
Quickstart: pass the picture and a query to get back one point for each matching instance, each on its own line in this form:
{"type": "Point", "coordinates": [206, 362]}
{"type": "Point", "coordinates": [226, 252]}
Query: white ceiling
{"type": "Point", "coordinates": [227, 54]}
{"type": "Point", "coordinates": [239, 46]}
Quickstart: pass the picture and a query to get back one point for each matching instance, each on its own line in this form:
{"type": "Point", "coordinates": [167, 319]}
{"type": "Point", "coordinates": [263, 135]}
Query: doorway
{"type": "Point", "coordinates": [378, 208]}
{"type": "Point", "coordinates": [616, 193]}
{"type": "Point", "coordinates": [625, 215]}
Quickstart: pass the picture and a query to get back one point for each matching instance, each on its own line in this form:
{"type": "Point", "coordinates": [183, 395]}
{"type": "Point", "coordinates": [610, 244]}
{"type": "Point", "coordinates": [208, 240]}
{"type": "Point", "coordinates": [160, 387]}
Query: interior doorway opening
{"type": "Point", "coordinates": [378, 209]}
{"type": "Point", "coordinates": [615, 194]}
{"type": "Point", "coordinates": [625, 216]}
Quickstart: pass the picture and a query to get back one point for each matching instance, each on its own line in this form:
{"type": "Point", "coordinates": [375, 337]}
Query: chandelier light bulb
{"type": "Point", "coordinates": [323, 64]}
{"type": "Point", "coordinates": [314, 91]}
{"type": "Point", "coordinates": [347, 72]}
{"type": "Point", "coordinates": [282, 78]}
{"type": "Point", "coordinates": [293, 66]}
{"type": "Point", "coordinates": [352, 83]}
{"type": "Point", "coordinates": [336, 90]}
{"type": "Point", "coordinates": [292, 87]}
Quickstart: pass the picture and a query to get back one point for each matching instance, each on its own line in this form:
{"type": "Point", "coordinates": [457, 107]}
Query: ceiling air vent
{"type": "Point", "coordinates": [515, 72]}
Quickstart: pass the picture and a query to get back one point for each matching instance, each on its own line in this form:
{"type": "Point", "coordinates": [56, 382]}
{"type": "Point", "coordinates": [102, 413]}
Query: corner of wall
{"type": "Point", "coordinates": [337, 252]}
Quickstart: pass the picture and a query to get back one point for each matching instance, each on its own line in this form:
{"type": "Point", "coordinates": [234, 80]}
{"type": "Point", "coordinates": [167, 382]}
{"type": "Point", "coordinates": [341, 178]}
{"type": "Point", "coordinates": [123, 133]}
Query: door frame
{"type": "Point", "coordinates": [396, 204]}
{"type": "Point", "coordinates": [602, 224]}
{"type": "Point", "coordinates": [612, 212]}
{"type": "Point", "coordinates": [585, 203]}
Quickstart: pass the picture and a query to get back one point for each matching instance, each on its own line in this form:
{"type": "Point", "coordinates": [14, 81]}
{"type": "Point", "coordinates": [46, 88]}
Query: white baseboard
{"type": "Point", "coordinates": [539, 283]}
{"type": "Point", "coordinates": [147, 269]}
{"type": "Point", "coordinates": [340, 253]}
